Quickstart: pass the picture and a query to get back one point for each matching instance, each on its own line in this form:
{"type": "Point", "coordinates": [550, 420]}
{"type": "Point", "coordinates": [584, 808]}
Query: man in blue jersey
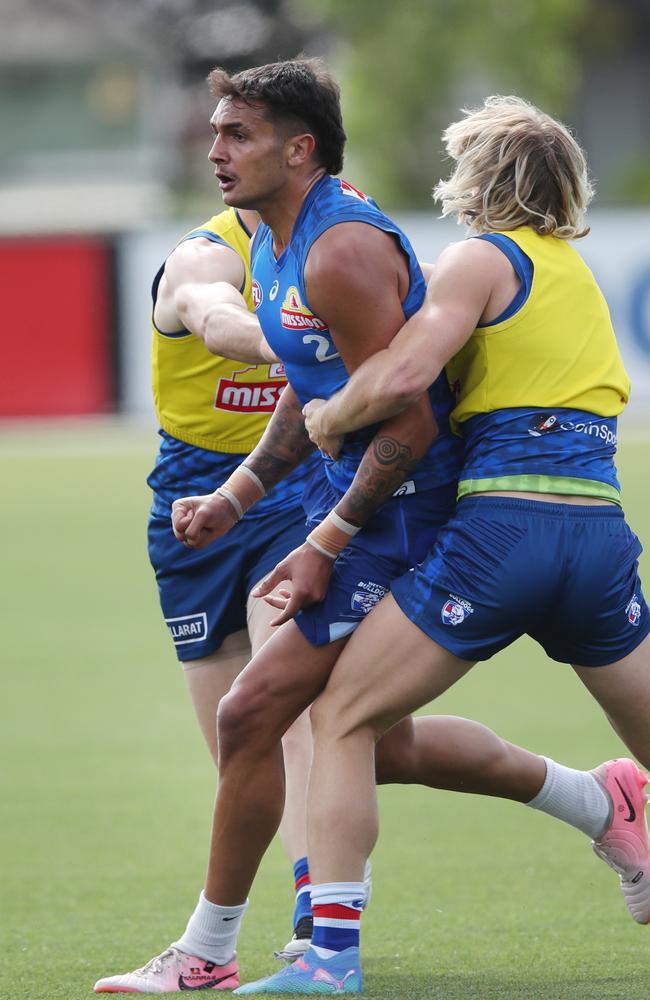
{"type": "Point", "coordinates": [334, 281]}
{"type": "Point", "coordinates": [278, 141]}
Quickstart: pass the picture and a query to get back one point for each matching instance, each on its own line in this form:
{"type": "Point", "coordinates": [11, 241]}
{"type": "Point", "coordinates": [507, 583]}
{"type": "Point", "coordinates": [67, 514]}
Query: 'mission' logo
{"type": "Point", "coordinates": [250, 397]}
{"type": "Point", "coordinates": [295, 316]}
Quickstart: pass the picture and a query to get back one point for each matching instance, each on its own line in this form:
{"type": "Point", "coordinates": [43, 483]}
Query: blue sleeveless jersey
{"type": "Point", "coordinates": [313, 366]}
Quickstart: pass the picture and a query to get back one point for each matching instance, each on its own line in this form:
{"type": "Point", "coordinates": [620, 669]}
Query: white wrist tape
{"type": "Point", "coordinates": [242, 489]}
{"type": "Point", "coordinates": [325, 552]}
{"type": "Point", "coordinates": [332, 535]}
{"type": "Point", "coordinates": [232, 499]}
{"type": "Point", "coordinates": [256, 479]}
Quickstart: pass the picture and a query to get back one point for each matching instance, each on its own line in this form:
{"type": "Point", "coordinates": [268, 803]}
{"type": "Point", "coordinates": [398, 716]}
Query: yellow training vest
{"type": "Point", "coordinates": [209, 401]}
{"type": "Point", "coordinates": [558, 350]}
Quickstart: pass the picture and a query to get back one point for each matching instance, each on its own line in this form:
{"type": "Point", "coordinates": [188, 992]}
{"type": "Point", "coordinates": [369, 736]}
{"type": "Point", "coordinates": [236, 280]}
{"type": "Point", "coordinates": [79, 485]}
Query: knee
{"type": "Point", "coordinates": [297, 739]}
{"type": "Point", "coordinates": [333, 720]}
{"type": "Point", "coordinates": [321, 718]}
{"type": "Point", "coordinates": [239, 723]}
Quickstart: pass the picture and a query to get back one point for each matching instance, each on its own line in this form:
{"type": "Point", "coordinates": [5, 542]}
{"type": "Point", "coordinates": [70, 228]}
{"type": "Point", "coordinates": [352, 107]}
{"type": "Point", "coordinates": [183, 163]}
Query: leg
{"type": "Point", "coordinates": [297, 752]}
{"type": "Point", "coordinates": [622, 689]}
{"type": "Point", "coordinates": [459, 755]}
{"type": "Point", "coordinates": [296, 745]}
{"type": "Point", "coordinates": [278, 684]}
{"type": "Point", "coordinates": [365, 696]}
{"type": "Point", "coordinates": [211, 677]}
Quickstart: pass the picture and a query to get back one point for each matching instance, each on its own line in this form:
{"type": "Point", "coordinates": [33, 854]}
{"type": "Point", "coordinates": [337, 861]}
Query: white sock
{"type": "Point", "coordinates": [212, 931]}
{"type": "Point", "coordinates": [575, 797]}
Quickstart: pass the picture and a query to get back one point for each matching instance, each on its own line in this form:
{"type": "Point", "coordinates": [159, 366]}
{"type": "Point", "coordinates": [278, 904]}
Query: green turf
{"type": "Point", "coordinates": [106, 787]}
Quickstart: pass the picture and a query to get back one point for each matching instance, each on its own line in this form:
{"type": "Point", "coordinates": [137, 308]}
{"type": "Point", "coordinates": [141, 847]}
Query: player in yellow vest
{"type": "Point", "coordinates": [538, 544]}
{"type": "Point", "coordinates": [212, 411]}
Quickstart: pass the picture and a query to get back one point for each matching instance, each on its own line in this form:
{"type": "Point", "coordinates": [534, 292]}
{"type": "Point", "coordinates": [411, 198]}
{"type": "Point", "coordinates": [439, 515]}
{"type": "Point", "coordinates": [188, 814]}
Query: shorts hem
{"type": "Point", "coordinates": [600, 662]}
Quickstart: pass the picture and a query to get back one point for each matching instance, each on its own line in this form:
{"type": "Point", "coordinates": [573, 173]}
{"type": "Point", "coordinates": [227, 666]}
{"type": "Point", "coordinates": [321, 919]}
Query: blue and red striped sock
{"type": "Point", "coordinates": [337, 908]}
{"type": "Point", "coordinates": [303, 890]}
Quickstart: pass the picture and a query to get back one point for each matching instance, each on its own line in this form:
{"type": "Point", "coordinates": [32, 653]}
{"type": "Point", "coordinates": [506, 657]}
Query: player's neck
{"type": "Point", "coordinates": [280, 215]}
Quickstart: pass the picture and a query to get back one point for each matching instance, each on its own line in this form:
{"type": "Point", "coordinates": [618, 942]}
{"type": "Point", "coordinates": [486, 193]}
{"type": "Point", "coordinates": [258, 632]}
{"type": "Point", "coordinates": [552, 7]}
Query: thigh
{"type": "Point", "coordinates": [259, 616]}
{"type": "Point", "coordinates": [281, 680]}
{"type": "Point", "coordinates": [622, 689]}
{"type": "Point", "coordinates": [388, 669]}
{"type": "Point", "coordinates": [210, 678]}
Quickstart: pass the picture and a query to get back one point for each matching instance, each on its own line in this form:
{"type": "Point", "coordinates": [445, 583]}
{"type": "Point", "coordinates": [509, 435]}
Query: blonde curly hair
{"type": "Point", "coordinates": [515, 166]}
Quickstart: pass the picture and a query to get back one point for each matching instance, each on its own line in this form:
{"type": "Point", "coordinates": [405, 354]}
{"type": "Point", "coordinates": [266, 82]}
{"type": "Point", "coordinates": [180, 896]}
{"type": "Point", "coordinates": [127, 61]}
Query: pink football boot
{"type": "Point", "coordinates": [625, 845]}
{"type": "Point", "coordinates": [171, 972]}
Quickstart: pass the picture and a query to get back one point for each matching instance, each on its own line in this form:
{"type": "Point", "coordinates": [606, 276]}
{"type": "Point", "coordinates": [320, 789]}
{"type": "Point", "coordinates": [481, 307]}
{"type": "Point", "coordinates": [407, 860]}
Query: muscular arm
{"type": "Point", "coordinates": [467, 279]}
{"type": "Point", "coordinates": [199, 291]}
{"type": "Point", "coordinates": [283, 445]}
{"type": "Point", "coordinates": [362, 306]}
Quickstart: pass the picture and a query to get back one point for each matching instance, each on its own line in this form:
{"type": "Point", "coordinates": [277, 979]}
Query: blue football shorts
{"type": "Point", "coordinates": [395, 538]}
{"type": "Point", "coordinates": [203, 592]}
{"type": "Point", "coordinates": [566, 575]}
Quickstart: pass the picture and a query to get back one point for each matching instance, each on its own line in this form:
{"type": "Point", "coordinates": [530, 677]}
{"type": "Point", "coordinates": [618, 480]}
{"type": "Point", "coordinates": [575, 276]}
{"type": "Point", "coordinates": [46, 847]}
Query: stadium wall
{"type": "Point", "coordinates": [92, 355]}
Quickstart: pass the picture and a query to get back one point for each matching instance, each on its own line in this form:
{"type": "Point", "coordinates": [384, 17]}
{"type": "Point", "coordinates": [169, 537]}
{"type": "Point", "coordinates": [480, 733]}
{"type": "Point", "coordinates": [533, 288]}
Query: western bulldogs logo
{"type": "Point", "coordinates": [633, 611]}
{"type": "Point", "coordinates": [257, 293]}
{"type": "Point", "coordinates": [363, 602]}
{"type": "Point", "coordinates": [369, 594]}
{"type": "Point", "coordinates": [455, 610]}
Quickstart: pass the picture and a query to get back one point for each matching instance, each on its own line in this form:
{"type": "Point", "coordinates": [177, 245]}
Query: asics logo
{"type": "Point", "coordinates": [208, 985]}
{"type": "Point", "coordinates": [632, 816]}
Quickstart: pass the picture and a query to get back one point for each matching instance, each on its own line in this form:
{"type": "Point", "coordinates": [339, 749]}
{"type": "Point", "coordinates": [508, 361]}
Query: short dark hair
{"type": "Point", "coordinates": [301, 92]}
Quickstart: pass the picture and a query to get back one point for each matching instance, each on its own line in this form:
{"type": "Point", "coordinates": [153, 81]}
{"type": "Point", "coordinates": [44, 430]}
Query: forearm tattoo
{"type": "Point", "coordinates": [284, 444]}
{"type": "Point", "coordinates": [384, 467]}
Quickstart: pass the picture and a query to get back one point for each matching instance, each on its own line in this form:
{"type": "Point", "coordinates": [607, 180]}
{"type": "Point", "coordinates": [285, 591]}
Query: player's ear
{"type": "Point", "coordinates": [300, 148]}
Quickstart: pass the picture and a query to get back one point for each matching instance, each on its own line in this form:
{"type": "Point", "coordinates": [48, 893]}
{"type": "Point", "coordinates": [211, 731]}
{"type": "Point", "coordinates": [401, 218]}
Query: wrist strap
{"type": "Point", "coordinates": [332, 535]}
{"type": "Point", "coordinates": [242, 489]}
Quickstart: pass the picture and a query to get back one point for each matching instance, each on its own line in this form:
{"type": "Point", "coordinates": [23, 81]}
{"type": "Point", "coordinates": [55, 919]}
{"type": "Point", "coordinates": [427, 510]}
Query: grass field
{"type": "Point", "coordinates": [107, 789]}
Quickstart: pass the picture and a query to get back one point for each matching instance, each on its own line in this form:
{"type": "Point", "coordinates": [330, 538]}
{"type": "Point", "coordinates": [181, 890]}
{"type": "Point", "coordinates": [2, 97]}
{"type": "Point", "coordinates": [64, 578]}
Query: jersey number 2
{"type": "Point", "coordinates": [323, 345]}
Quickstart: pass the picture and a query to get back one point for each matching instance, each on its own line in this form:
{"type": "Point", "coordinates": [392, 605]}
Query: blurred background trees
{"type": "Point", "coordinates": [103, 104]}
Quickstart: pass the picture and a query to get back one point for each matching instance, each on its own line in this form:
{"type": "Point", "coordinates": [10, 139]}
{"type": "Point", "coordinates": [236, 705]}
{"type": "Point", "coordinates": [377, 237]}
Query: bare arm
{"type": "Point", "coordinates": [199, 291]}
{"type": "Point", "coordinates": [284, 444]}
{"type": "Point", "coordinates": [198, 521]}
{"type": "Point", "coordinates": [467, 278]}
{"type": "Point", "coordinates": [362, 308]}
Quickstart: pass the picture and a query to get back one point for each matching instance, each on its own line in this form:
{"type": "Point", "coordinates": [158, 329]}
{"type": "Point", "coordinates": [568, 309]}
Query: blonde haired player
{"type": "Point", "coordinates": [538, 544]}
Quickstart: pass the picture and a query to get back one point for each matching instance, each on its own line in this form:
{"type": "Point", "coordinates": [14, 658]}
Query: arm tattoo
{"type": "Point", "coordinates": [384, 467]}
{"type": "Point", "coordinates": [284, 444]}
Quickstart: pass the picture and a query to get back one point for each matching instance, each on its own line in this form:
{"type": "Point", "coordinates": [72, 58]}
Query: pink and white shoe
{"type": "Point", "coordinates": [171, 972]}
{"type": "Point", "coordinates": [625, 845]}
